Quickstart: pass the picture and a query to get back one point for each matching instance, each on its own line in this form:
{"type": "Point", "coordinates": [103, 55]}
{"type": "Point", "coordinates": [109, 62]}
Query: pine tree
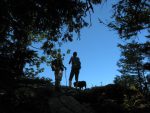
{"type": "Point", "coordinates": [131, 62]}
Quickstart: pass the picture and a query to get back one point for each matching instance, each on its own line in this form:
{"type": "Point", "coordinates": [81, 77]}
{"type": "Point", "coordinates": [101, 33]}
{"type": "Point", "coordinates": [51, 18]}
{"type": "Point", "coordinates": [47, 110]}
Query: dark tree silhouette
{"type": "Point", "coordinates": [25, 22]}
{"type": "Point", "coordinates": [127, 81]}
{"type": "Point", "coordinates": [131, 16]}
{"type": "Point", "coordinates": [132, 63]}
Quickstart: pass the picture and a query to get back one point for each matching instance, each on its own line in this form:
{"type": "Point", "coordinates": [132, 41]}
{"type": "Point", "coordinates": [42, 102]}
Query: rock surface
{"type": "Point", "coordinates": [66, 104]}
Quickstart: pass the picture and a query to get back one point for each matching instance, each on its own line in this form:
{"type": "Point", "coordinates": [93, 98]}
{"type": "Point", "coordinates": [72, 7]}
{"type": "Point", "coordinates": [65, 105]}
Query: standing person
{"type": "Point", "coordinates": [76, 66]}
{"type": "Point", "coordinates": [58, 67]}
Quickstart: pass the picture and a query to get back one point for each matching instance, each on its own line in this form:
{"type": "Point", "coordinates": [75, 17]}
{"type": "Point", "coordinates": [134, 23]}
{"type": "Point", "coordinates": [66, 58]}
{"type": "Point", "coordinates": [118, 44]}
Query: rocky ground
{"type": "Point", "coordinates": [43, 98]}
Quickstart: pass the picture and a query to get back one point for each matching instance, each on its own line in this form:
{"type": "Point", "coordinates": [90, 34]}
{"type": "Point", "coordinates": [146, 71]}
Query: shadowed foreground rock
{"type": "Point", "coordinates": [37, 98]}
{"type": "Point", "coordinates": [66, 104]}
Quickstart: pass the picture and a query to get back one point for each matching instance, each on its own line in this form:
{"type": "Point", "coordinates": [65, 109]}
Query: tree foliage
{"type": "Point", "coordinates": [127, 81]}
{"type": "Point", "coordinates": [131, 58]}
{"type": "Point", "coordinates": [26, 22]}
{"type": "Point", "coordinates": [132, 63]}
{"type": "Point", "coordinates": [131, 16]}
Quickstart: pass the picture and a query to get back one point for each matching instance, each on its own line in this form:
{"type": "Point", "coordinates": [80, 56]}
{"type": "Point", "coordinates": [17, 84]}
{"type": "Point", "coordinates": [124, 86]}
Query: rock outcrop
{"type": "Point", "coordinates": [67, 104]}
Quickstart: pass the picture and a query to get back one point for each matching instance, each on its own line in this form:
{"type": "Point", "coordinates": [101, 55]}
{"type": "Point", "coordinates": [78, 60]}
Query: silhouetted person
{"type": "Point", "coordinates": [76, 66]}
{"type": "Point", "coordinates": [58, 67]}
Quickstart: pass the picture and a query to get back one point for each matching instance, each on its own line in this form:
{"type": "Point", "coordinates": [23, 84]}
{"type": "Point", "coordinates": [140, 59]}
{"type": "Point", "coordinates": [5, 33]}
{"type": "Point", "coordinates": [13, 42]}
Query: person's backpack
{"type": "Point", "coordinates": [56, 64]}
{"type": "Point", "coordinates": [53, 63]}
{"type": "Point", "coordinates": [76, 62]}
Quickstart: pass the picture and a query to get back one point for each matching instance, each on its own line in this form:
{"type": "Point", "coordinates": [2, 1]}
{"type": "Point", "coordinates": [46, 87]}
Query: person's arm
{"type": "Point", "coordinates": [79, 60]}
{"type": "Point", "coordinates": [70, 60]}
{"type": "Point", "coordinates": [63, 65]}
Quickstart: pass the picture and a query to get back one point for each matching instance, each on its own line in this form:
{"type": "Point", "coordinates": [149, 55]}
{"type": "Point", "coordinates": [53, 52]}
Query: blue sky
{"type": "Point", "coordinates": [97, 50]}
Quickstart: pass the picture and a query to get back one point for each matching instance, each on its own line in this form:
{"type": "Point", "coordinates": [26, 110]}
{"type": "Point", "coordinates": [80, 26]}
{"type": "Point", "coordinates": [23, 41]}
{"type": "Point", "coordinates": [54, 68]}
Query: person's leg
{"type": "Point", "coordinates": [60, 76]}
{"type": "Point", "coordinates": [56, 80]}
{"type": "Point", "coordinates": [77, 75]}
{"type": "Point", "coordinates": [70, 78]}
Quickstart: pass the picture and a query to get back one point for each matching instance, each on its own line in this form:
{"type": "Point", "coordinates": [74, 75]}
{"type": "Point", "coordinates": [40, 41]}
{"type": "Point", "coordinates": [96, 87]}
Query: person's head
{"type": "Point", "coordinates": [59, 55]}
{"type": "Point", "coordinates": [74, 54]}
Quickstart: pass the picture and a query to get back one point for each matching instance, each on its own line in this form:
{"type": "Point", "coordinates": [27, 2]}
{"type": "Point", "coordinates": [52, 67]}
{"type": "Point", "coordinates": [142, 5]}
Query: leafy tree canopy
{"type": "Point", "coordinates": [24, 22]}
{"type": "Point", "coordinates": [134, 62]}
{"type": "Point", "coordinates": [131, 16]}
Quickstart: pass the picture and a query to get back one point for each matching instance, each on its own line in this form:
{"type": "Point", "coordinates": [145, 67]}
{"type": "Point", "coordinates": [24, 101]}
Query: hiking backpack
{"type": "Point", "coordinates": [53, 65]}
{"type": "Point", "coordinates": [57, 64]}
{"type": "Point", "coordinates": [76, 62]}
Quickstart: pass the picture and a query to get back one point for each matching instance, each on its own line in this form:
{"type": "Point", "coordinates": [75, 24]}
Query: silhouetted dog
{"type": "Point", "coordinates": [80, 84]}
